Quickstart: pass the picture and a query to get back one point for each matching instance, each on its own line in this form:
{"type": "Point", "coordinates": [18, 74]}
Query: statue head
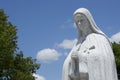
{"type": "Point", "coordinates": [85, 23]}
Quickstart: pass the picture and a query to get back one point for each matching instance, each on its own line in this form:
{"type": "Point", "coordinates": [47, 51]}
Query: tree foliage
{"type": "Point", "coordinates": [13, 65]}
{"type": "Point", "coordinates": [116, 50]}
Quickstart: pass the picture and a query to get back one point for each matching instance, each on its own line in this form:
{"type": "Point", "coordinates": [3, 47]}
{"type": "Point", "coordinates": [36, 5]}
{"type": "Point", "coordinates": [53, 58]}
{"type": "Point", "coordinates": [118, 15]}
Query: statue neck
{"type": "Point", "coordinates": [83, 34]}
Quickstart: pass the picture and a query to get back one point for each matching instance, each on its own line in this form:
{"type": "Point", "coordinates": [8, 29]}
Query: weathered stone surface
{"type": "Point", "coordinates": [91, 58]}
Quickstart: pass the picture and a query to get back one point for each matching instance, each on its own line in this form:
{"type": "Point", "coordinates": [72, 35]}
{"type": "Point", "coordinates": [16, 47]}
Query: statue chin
{"type": "Point", "coordinates": [84, 76]}
{"type": "Point", "coordinates": [74, 77]}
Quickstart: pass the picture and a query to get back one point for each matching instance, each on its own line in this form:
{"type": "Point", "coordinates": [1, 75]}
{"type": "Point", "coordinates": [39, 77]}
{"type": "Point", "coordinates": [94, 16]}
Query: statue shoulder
{"type": "Point", "coordinates": [97, 36]}
{"type": "Point", "coordinates": [96, 40]}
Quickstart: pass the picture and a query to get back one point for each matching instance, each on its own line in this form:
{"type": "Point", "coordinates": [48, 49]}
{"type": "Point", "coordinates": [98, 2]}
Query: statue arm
{"type": "Point", "coordinates": [74, 66]}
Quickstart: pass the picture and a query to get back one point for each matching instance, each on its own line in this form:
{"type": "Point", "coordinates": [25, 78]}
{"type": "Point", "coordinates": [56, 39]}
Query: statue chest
{"type": "Point", "coordinates": [89, 49]}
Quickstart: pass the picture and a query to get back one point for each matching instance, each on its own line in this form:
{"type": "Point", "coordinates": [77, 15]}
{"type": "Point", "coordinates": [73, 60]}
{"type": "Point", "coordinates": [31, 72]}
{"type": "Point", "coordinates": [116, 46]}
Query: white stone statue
{"type": "Point", "coordinates": [92, 57]}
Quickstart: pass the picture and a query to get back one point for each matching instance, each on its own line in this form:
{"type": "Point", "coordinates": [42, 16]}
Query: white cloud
{"type": "Point", "coordinates": [115, 38]}
{"type": "Point", "coordinates": [67, 44]}
{"type": "Point", "coordinates": [74, 25]}
{"type": "Point", "coordinates": [38, 77]}
{"type": "Point", "coordinates": [48, 55]}
{"type": "Point", "coordinates": [66, 53]}
{"type": "Point", "coordinates": [69, 24]}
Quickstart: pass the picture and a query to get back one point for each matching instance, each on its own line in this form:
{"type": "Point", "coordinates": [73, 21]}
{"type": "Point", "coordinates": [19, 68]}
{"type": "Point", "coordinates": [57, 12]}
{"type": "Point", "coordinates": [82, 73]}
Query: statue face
{"type": "Point", "coordinates": [82, 22]}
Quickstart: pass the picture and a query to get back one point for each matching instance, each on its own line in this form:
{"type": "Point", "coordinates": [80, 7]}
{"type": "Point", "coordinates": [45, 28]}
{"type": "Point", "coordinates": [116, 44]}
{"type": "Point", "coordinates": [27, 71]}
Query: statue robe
{"type": "Point", "coordinates": [95, 57]}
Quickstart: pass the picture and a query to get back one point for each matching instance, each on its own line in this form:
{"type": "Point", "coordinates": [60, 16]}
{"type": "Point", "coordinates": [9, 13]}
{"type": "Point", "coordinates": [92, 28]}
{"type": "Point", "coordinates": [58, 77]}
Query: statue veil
{"type": "Point", "coordinates": [90, 19]}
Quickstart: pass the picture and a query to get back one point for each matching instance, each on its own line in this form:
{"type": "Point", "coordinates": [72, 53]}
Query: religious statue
{"type": "Point", "coordinates": [91, 58]}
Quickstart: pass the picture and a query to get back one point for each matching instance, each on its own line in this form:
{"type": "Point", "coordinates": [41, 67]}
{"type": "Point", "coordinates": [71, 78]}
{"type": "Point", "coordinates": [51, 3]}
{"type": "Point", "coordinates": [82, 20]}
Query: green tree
{"type": "Point", "coordinates": [8, 46]}
{"type": "Point", "coordinates": [13, 65]}
{"type": "Point", "coordinates": [24, 67]}
{"type": "Point", "coordinates": [116, 50]}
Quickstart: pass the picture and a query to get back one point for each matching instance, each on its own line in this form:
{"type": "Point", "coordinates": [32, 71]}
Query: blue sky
{"type": "Point", "coordinates": [46, 29]}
